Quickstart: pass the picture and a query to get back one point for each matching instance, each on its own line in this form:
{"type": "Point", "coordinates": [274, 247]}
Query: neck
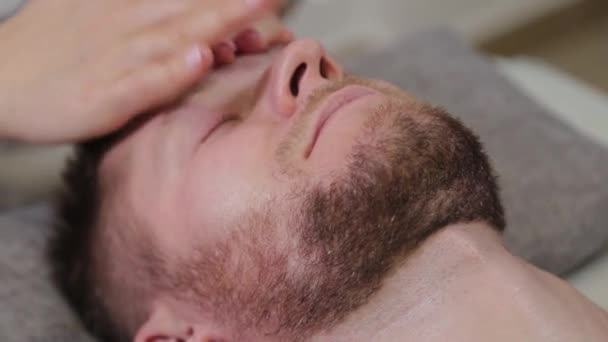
{"type": "Point", "coordinates": [439, 272]}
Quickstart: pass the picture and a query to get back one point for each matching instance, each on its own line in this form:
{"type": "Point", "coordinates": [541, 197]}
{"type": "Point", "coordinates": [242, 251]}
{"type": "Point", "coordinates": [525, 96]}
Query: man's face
{"type": "Point", "coordinates": [249, 134]}
{"type": "Point", "coordinates": [281, 192]}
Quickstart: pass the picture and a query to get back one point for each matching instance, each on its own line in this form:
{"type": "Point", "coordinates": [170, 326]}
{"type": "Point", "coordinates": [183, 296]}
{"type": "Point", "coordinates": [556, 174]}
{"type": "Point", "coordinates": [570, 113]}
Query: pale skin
{"type": "Point", "coordinates": [461, 285]}
{"type": "Point", "coordinates": [91, 66]}
{"type": "Point", "coordinates": [464, 285]}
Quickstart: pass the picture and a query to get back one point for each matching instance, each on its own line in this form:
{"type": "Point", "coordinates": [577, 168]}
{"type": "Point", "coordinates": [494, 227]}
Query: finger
{"type": "Point", "coordinates": [211, 26]}
{"type": "Point", "coordinates": [146, 49]}
{"type": "Point", "coordinates": [285, 37]}
{"type": "Point", "coordinates": [267, 32]}
{"type": "Point", "coordinates": [250, 41]}
{"type": "Point", "coordinates": [272, 30]}
{"type": "Point", "coordinates": [157, 83]}
{"type": "Point", "coordinates": [142, 15]}
{"type": "Point", "coordinates": [281, 36]}
{"type": "Point", "coordinates": [224, 53]}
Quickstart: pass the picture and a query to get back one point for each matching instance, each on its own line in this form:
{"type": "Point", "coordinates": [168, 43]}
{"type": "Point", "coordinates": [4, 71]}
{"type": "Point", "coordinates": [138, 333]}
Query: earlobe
{"type": "Point", "coordinates": [164, 326]}
{"type": "Point", "coordinates": [167, 325]}
{"type": "Point", "coordinates": [204, 338]}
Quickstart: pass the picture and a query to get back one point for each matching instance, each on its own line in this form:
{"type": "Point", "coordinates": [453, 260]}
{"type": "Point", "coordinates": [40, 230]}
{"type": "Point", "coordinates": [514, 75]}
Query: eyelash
{"type": "Point", "coordinates": [228, 117]}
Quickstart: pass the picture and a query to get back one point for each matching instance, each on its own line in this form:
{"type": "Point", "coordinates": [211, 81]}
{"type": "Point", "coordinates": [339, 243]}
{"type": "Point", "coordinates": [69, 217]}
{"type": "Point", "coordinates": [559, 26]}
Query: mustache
{"type": "Point", "coordinates": [316, 97]}
{"type": "Point", "coordinates": [305, 118]}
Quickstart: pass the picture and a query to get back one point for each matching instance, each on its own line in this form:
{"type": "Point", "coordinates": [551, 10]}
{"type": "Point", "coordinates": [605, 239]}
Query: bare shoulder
{"type": "Point", "coordinates": [464, 285]}
{"type": "Point", "coordinates": [504, 298]}
{"type": "Point", "coordinates": [566, 310]}
{"type": "Point", "coordinates": [542, 306]}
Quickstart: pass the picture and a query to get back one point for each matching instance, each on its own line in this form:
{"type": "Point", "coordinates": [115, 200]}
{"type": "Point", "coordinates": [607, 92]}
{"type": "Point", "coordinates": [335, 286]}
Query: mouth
{"type": "Point", "coordinates": [334, 104]}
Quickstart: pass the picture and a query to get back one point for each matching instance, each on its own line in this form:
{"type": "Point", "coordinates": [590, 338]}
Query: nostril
{"type": "Point", "coordinates": [324, 68]}
{"type": "Point", "coordinates": [296, 78]}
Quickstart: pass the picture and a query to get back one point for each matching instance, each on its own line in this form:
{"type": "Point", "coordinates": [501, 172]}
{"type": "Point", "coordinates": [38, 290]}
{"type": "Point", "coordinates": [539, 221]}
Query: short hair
{"type": "Point", "coordinates": [71, 249]}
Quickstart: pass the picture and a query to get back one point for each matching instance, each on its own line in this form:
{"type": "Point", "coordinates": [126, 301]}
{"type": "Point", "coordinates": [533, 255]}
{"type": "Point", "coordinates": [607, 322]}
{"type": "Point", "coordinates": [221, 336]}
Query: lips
{"type": "Point", "coordinates": [333, 105]}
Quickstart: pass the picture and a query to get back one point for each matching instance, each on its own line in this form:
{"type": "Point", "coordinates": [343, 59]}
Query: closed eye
{"type": "Point", "coordinates": [225, 119]}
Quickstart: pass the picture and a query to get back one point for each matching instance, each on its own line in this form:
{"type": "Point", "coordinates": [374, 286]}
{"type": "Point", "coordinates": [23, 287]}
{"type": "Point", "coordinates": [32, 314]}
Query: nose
{"type": "Point", "coordinates": [302, 68]}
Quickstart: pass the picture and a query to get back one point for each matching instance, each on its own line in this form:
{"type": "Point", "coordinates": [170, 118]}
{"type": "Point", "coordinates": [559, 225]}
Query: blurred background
{"type": "Point", "coordinates": [554, 49]}
{"type": "Point", "coordinates": [569, 34]}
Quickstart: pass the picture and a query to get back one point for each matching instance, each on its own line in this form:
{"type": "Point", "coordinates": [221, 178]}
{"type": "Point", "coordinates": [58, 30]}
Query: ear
{"type": "Point", "coordinates": [165, 325]}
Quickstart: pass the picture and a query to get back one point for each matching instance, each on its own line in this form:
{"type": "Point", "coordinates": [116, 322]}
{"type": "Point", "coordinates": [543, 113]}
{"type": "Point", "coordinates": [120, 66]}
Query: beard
{"type": "Point", "coordinates": [286, 277]}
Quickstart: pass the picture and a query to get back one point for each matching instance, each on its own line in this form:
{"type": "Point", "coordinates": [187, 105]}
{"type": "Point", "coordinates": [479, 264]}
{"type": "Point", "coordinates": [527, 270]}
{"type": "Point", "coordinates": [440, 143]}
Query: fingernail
{"type": "Point", "coordinates": [194, 58]}
{"type": "Point", "coordinates": [249, 41]}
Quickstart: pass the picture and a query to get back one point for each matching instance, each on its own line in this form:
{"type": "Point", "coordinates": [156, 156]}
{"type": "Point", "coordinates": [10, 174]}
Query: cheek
{"type": "Point", "coordinates": [225, 181]}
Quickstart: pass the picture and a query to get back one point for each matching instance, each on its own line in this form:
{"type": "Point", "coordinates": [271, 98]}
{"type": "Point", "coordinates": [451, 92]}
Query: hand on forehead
{"type": "Point", "coordinates": [109, 61]}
